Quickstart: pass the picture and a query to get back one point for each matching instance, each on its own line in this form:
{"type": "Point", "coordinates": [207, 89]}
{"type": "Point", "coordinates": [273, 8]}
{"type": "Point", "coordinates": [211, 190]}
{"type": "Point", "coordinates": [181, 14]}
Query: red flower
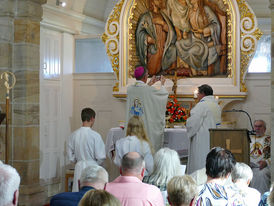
{"type": "Point", "coordinates": [176, 112]}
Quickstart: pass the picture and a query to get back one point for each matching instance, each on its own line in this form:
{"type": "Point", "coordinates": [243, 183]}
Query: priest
{"type": "Point", "coordinates": [205, 115]}
{"type": "Point", "coordinates": [149, 103]}
{"type": "Point", "coordinates": [260, 160]}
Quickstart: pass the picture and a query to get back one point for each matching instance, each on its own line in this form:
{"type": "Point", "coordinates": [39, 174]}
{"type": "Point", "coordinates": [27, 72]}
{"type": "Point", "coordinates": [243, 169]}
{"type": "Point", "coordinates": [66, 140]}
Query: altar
{"type": "Point", "coordinates": [174, 138]}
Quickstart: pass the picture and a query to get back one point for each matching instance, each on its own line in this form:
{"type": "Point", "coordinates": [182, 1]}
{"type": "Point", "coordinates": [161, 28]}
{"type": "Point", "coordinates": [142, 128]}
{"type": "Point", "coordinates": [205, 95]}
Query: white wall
{"type": "Point", "coordinates": [95, 91]}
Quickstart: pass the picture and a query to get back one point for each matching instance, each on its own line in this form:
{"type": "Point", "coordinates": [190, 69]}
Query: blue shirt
{"type": "Point", "coordinates": [264, 197]}
{"type": "Point", "coordinates": [69, 198]}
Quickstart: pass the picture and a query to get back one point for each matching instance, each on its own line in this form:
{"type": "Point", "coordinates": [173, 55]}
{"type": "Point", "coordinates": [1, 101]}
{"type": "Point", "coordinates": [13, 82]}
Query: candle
{"type": "Point", "coordinates": [217, 98]}
{"type": "Point", "coordinates": [195, 93]}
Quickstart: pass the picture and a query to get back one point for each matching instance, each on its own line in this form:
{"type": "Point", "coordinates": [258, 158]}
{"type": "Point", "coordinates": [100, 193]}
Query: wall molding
{"type": "Point", "coordinates": [94, 76]}
{"type": "Point", "coordinates": [69, 21]}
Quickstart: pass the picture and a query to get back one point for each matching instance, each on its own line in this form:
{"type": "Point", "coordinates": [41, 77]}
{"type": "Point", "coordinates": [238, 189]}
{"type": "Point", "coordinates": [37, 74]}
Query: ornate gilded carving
{"type": "Point", "coordinates": [250, 34]}
{"type": "Point", "coordinates": [231, 73]}
{"type": "Point", "coordinates": [111, 40]}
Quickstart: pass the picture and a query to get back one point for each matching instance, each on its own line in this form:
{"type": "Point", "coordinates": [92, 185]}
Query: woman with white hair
{"type": "Point", "coordinates": [9, 185]}
{"type": "Point", "coordinates": [166, 165]}
{"type": "Point", "coordinates": [242, 175]}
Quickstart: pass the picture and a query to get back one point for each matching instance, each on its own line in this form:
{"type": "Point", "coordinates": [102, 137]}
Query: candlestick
{"type": "Point", "coordinates": [195, 93]}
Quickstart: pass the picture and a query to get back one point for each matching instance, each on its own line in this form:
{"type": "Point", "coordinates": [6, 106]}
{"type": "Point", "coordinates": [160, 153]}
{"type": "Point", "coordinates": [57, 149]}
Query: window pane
{"type": "Point", "coordinates": [91, 57]}
{"type": "Point", "coordinates": [261, 61]}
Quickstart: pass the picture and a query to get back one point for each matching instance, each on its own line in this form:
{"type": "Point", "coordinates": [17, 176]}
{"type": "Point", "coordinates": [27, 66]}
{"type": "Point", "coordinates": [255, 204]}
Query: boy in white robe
{"type": "Point", "coordinates": [205, 115]}
{"type": "Point", "coordinates": [150, 104]}
{"type": "Point", "coordinates": [85, 146]}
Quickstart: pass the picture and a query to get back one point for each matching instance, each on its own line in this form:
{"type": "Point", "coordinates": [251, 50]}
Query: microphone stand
{"type": "Point", "coordinates": [252, 132]}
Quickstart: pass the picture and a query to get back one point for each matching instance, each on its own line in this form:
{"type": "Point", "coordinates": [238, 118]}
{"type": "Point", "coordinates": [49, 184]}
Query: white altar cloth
{"type": "Point", "coordinates": [173, 138]}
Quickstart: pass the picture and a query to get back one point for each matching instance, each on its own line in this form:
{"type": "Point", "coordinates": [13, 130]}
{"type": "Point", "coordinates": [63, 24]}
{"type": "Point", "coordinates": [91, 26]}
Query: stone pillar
{"type": "Point", "coordinates": [272, 88]}
{"type": "Point", "coordinates": [19, 53]}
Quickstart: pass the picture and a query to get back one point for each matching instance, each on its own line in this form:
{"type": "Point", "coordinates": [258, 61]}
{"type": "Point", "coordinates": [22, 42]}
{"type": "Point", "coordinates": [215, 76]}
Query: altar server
{"type": "Point", "coordinates": [205, 115]}
{"type": "Point", "coordinates": [149, 103]}
{"type": "Point", "coordinates": [135, 141]}
{"type": "Point", "coordinates": [85, 146]}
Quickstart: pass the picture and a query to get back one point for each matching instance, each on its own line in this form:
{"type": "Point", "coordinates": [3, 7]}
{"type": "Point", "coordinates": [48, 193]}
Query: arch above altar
{"type": "Point", "coordinates": [227, 38]}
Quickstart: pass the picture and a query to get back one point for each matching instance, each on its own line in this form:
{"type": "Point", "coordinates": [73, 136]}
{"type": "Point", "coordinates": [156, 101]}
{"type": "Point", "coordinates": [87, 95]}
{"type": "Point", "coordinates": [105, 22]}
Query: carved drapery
{"type": "Point", "coordinates": [242, 37]}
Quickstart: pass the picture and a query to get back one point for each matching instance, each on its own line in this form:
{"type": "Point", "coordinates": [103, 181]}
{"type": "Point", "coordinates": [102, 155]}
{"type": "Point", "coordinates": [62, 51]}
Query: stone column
{"type": "Point", "coordinates": [19, 53]}
{"type": "Point", "coordinates": [272, 88]}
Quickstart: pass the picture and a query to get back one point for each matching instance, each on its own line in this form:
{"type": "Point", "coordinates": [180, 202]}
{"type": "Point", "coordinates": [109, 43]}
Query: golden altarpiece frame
{"type": "Point", "coordinates": [241, 36]}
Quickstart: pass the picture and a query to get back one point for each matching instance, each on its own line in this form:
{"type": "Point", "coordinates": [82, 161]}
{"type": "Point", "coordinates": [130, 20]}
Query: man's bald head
{"type": "Point", "coordinates": [132, 163]}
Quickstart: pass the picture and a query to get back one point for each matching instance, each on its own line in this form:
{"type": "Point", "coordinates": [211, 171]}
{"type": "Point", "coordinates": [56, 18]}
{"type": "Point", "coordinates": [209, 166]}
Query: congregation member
{"type": "Point", "coordinates": [205, 115]}
{"type": "Point", "coordinates": [264, 197]}
{"type": "Point", "coordinates": [263, 201]}
{"type": "Point", "coordinates": [99, 198]}
{"type": "Point", "coordinates": [270, 199]}
{"type": "Point", "coordinates": [136, 140]}
{"type": "Point", "coordinates": [85, 146]}
{"type": "Point", "coordinates": [182, 191]}
{"type": "Point", "coordinates": [128, 187]}
{"type": "Point", "coordinates": [242, 176]}
{"type": "Point", "coordinates": [92, 178]}
{"type": "Point", "coordinates": [260, 157]}
{"type": "Point", "coordinates": [9, 185]}
{"type": "Point", "coordinates": [149, 103]}
{"type": "Point", "coordinates": [166, 165]}
{"type": "Point", "coordinates": [219, 165]}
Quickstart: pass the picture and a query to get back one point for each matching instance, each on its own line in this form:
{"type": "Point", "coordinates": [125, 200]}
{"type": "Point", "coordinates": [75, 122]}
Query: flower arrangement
{"type": "Point", "coordinates": [175, 111]}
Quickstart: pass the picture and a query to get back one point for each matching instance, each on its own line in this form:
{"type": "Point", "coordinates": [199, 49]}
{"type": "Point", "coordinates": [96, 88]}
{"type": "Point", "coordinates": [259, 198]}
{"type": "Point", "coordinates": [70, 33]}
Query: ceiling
{"type": "Point", "coordinates": [100, 9]}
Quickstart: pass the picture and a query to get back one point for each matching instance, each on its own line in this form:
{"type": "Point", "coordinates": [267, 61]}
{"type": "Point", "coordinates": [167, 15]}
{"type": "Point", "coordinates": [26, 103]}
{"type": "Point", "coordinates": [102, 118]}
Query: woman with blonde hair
{"type": "Point", "coordinates": [99, 198]}
{"type": "Point", "coordinates": [136, 140]}
{"type": "Point", "coordinates": [182, 191]}
{"type": "Point", "coordinates": [166, 165]}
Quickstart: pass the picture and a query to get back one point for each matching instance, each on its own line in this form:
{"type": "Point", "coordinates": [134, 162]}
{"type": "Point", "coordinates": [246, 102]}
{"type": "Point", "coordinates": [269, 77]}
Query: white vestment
{"type": "Point", "coordinates": [260, 150]}
{"type": "Point", "coordinates": [133, 144]}
{"type": "Point", "coordinates": [85, 144]}
{"type": "Point", "coordinates": [150, 104]}
{"type": "Point", "coordinates": [205, 115]}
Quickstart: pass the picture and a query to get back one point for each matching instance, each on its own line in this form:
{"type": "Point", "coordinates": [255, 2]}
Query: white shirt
{"type": "Point", "coordinates": [250, 195]}
{"type": "Point", "coordinates": [133, 144]}
{"type": "Point", "coordinates": [86, 144]}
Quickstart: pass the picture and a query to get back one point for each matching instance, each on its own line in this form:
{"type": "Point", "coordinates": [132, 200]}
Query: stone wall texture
{"type": "Point", "coordinates": [19, 53]}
